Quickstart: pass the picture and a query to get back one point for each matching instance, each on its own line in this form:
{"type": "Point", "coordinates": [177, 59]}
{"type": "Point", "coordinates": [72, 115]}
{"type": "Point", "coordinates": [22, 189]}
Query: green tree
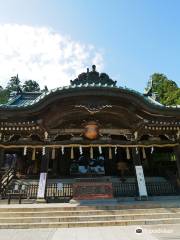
{"type": "Point", "coordinates": [31, 86]}
{"type": "Point", "coordinates": [173, 98]}
{"type": "Point", "coordinates": [4, 95]}
{"type": "Point", "coordinates": [166, 90]}
{"type": "Point", "coordinates": [14, 84]}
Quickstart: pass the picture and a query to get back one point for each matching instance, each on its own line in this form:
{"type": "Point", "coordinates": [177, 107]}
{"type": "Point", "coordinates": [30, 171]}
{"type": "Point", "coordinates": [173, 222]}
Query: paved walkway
{"type": "Point", "coordinates": [163, 201]}
{"type": "Point", "coordinates": [158, 232]}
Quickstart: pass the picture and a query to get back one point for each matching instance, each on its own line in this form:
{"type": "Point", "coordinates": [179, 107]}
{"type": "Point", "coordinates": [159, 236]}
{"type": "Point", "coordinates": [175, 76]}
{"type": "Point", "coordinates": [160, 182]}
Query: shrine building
{"type": "Point", "coordinates": [91, 132]}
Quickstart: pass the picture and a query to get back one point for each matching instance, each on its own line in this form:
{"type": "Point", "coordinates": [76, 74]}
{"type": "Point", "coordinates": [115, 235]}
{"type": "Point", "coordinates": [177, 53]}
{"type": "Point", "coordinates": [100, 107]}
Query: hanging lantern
{"type": "Point", "coordinates": [110, 153]}
{"type": "Point", "coordinates": [128, 153]}
{"type": "Point", "coordinates": [43, 151]}
{"type": "Point", "coordinates": [80, 150]}
{"type": "Point", "coordinates": [25, 151]}
{"type": "Point", "coordinates": [100, 150]}
{"type": "Point", "coordinates": [91, 152]}
{"type": "Point", "coordinates": [143, 153]}
{"type": "Point", "coordinates": [72, 153]}
{"type": "Point", "coordinates": [53, 156]}
{"type": "Point", "coordinates": [34, 154]}
{"type": "Point", "coordinates": [62, 150]}
{"type": "Point", "coordinates": [91, 130]}
{"type": "Point", "coordinates": [152, 149]}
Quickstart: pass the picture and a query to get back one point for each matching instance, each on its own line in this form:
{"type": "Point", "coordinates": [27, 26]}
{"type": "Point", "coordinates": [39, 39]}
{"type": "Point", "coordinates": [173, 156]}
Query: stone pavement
{"type": "Point", "coordinates": [129, 202]}
{"type": "Point", "coordinates": [158, 232]}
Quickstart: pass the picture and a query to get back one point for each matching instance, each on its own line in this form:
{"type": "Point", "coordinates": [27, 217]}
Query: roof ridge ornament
{"type": "Point", "coordinates": [93, 78]}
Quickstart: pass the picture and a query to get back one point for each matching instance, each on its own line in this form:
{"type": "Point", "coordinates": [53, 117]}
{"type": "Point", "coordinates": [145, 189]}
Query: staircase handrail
{"type": "Point", "coordinates": [6, 179]}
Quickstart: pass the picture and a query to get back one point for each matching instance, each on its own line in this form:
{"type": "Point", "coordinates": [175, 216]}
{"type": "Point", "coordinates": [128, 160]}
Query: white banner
{"type": "Point", "coordinates": [141, 181]}
{"type": "Point", "coordinates": [42, 185]}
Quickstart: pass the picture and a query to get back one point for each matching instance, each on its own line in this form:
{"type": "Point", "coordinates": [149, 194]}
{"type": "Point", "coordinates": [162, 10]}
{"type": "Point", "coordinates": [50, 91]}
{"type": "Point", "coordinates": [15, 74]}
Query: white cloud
{"type": "Point", "coordinates": [43, 55]}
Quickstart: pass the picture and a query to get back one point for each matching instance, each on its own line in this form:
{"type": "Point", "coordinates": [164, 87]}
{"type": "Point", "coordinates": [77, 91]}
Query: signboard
{"type": "Point", "coordinates": [92, 190]}
{"type": "Point", "coordinates": [59, 186]}
{"type": "Point", "coordinates": [42, 185]}
{"type": "Point", "coordinates": [141, 181]}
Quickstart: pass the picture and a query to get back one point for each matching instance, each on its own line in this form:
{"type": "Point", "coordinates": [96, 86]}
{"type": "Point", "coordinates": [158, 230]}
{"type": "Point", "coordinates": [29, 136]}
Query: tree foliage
{"type": "Point", "coordinates": [167, 91]}
{"type": "Point", "coordinates": [4, 95]}
{"type": "Point", "coordinates": [14, 84]}
{"type": "Point", "coordinates": [31, 86]}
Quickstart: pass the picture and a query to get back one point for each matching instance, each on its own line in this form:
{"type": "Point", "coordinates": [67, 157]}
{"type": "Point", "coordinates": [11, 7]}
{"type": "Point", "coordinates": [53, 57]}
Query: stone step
{"type": "Point", "coordinates": [69, 210]}
{"type": "Point", "coordinates": [48, 213]}
{"type": "Point", "coordinates": [67, 207]}
{"type": "Point", "coordinates": [89, 218]}
{"type": "Point", "coordinates": [89, 223]}
{"type": "Point", "coordinates": [54, 216]}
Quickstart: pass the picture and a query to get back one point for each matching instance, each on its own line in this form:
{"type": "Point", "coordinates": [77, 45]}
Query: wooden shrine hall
{"type": "Point", "coordinates": [92, 135]}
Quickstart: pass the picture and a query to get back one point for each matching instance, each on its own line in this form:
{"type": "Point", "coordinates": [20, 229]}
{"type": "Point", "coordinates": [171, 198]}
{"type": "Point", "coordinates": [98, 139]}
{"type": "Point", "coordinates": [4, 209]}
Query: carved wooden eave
{"type": "Point", "coordinates": [116, 94]}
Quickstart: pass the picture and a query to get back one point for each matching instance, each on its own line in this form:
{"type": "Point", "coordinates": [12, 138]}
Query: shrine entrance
{"type": "Point", "coordinates": [84, 162]}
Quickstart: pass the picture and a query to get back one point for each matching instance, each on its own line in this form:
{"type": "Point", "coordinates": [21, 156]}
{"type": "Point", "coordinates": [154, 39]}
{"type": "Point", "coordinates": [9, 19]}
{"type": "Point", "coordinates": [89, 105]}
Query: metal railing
{"type": "Point", "coordinates": [160, 189]}
{"type": "Point", "coordinates": [6, 179]}
{"type": "Point", "coordinates": [120, 189]}
{"type": "Point", "coordinates": [123, 189]}
{"type": "Point", "coordinates": [30, 190]}
{"type": "Point", "coordinates": [53, 190]}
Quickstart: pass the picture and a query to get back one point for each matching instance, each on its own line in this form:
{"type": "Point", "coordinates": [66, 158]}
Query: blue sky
{"type": "Point", "coordinates": [134, 38]}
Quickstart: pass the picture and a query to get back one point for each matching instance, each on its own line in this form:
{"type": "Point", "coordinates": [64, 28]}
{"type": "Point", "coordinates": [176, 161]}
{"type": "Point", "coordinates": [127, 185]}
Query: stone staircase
{"type": "Point", "coordinates": [57, 216]}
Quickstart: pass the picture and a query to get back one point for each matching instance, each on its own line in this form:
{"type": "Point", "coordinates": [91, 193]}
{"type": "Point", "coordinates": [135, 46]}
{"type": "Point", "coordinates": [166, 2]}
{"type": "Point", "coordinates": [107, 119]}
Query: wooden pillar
{"type": "Point", "coordinates": [177, 154]}
{"type": "Point", "coordinates": [139, 174]}
{"type": "Point", "coordinates": [41, 195]}
{"type": "Point", "coordinates": [55, 162]}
